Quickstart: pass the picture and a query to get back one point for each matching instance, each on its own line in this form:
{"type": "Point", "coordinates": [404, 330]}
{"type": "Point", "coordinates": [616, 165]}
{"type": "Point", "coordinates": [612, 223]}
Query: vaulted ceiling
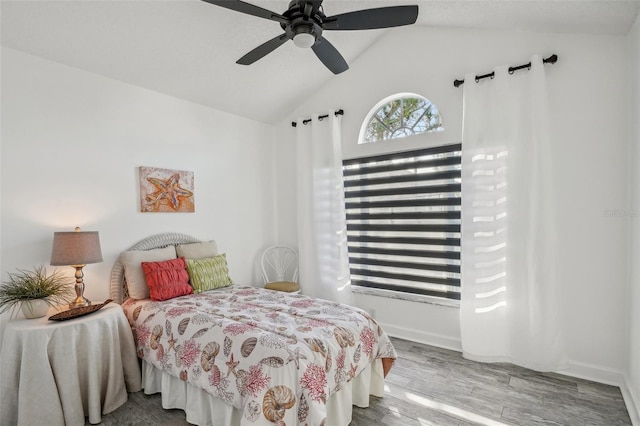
{"type": "Point", "coordinates": [188, 48]}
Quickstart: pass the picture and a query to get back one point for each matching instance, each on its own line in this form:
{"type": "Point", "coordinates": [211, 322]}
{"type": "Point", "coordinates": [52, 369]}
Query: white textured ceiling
{"type": "Point", "coordinates": [188, 48]}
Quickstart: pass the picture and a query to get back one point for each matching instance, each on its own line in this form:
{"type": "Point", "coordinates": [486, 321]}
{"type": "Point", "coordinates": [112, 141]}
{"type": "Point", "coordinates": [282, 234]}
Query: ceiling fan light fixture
{"type": "Point", "coordinates": [304, 37]}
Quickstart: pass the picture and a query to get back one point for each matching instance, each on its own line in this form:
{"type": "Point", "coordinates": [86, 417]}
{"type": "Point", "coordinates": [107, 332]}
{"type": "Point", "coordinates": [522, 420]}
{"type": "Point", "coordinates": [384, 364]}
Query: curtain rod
{"type": "Point", "coordinates": [320, 117]}
{"type": "Point", "coordinates": [550, 60]}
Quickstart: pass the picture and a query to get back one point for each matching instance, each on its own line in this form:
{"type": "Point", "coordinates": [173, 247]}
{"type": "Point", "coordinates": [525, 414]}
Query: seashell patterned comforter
{"type": "Point", "coordinates": [276, 356]}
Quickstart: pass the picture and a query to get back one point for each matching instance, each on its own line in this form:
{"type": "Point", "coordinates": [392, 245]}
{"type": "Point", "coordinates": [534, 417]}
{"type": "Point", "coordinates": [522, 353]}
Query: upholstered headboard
{"type": "Point", "coordinates": [118, 290]}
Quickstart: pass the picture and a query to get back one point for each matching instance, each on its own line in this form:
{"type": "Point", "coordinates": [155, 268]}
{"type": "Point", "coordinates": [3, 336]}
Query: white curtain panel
{"type": "Point", "coordinates": [509, 310]}
{"type": "Point", "coordinates": [322, 229]}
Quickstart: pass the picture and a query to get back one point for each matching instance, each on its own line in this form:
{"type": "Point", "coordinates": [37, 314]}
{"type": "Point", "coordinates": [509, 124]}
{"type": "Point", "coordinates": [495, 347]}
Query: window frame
{"type": "Point", "coordinates": [398, 96]}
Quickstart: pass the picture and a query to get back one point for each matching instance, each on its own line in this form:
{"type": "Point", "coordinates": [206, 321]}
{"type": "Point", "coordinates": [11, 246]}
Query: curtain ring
{"type": "Point", "coordinates": [320, 118]}
{"type": "Point", "coordinates": [511, 71]}
{"type": "Point", "coordinates": [477, 79]}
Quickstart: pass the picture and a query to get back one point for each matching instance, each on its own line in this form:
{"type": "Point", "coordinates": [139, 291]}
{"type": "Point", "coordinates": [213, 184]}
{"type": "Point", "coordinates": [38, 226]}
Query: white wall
{"type": "Point", "coordinates": [633, 377]}
{"type": "Point", "coordinates": [72, 143]}
{"type": "Point", "coordinates": [588, 101]}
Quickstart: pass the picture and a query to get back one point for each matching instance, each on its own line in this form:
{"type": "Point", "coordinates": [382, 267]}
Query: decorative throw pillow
{"type": "Point", "coordinates": [209, 273]}
{"type": "Point", "coordinates": [167, 279]}
{"type": "Point", "coordinates": [133, 273]}
{"type": "Point", "coordinates": [197, 250]}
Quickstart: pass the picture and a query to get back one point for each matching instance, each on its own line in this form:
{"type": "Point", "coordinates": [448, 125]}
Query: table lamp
{"type": "Point", "coordinates": [76, 249]}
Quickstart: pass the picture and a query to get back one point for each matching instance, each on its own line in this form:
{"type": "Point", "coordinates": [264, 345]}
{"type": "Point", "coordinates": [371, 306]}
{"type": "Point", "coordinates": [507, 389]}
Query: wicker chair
{"type": "Point", "coordinates": [280, 269]}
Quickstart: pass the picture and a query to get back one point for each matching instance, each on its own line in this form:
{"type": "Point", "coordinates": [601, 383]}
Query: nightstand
{"type": "Point", "coordinates": [59, 372]}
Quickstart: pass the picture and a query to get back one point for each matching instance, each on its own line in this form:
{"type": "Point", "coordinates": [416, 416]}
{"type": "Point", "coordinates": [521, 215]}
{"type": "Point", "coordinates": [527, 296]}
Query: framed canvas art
{"type": "Point", "coordinates": [165, 190]}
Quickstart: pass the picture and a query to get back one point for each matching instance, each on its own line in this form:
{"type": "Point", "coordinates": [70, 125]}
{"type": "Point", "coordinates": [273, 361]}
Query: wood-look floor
{"type": "Point", "coordinates": [433, 386]}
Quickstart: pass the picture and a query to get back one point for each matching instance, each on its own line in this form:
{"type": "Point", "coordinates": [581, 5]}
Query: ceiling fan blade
{"type": "Point", "coordinates": [370, 19]}
{"type": "Point", "coordinates": [263, 50]}
{"type": "Point", "coordinates": [329, 56]}
{"type": "Point", "coordinates": [249, 9]}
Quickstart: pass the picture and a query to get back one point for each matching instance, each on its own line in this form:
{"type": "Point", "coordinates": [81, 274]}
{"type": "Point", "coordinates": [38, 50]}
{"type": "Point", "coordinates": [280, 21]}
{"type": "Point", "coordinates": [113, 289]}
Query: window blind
{"type": "Point", "coordinates": [403, 221]}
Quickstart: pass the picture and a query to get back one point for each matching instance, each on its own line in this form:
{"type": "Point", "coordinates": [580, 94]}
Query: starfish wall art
{"type": "Point", "coordinates": [164, 190]}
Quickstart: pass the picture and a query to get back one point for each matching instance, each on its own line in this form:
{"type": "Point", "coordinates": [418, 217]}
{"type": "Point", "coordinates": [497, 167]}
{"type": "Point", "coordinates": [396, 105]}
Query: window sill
{"type": "Point", "coordinates": [419, 298]}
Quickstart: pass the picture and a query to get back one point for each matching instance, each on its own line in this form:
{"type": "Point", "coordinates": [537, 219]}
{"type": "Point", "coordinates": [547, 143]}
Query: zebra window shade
{"type": "Point", "coordinates": [403, 221]}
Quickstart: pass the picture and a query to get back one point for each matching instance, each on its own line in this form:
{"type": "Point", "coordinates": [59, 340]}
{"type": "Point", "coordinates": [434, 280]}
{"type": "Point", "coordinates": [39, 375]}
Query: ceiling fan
{"type": "Point", "coordinates": [304, 21]}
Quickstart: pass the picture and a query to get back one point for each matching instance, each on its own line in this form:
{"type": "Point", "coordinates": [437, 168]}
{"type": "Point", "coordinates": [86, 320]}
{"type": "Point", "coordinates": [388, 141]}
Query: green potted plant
{"type": "Point", "coordinates": [34, 291]}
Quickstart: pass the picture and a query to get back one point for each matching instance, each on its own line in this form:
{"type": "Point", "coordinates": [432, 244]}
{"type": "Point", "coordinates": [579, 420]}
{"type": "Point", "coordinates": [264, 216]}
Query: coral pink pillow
{"type": "Point", "coordinates": [167, 279]}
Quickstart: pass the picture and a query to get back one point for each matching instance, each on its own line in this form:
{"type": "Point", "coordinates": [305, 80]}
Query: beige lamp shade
{"type": "Point", "coordinates": [76, 248]}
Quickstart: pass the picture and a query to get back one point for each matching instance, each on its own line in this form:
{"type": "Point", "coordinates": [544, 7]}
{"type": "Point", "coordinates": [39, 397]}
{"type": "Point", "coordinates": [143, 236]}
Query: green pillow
{"type": "Point", "coordinates": [208, 273]}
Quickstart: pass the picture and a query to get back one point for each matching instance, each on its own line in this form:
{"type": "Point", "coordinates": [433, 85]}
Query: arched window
{"type": "Point", "coordinates": [400, 115]}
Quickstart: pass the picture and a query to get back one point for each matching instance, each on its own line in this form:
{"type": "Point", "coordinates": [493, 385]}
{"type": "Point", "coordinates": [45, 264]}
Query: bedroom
{"type": "Point", "coordinates": [72, 141]}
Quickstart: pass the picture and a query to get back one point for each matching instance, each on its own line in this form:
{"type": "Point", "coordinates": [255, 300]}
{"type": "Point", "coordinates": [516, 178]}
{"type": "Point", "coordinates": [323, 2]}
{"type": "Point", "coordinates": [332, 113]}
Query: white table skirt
{"type": "Point", "coordinates": [59, 372]}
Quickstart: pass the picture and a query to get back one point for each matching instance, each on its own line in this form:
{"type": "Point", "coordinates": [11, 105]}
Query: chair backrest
{"type": "Point", "coordinates": [280, 263]}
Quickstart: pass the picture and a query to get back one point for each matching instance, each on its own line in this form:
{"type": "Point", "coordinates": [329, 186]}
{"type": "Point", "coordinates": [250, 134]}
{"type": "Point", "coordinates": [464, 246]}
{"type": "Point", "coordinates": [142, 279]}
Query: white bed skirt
{"type": "Point", "coordinates": [203, 409]}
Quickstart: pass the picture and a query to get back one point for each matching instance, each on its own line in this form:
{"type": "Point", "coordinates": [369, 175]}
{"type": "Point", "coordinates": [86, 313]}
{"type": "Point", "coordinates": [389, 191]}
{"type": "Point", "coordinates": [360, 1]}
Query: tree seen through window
{"type": "Point", "coordinates": [401, 117]}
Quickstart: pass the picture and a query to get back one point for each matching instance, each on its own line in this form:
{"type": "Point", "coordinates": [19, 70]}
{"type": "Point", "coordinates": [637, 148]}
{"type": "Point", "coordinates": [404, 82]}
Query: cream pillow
{"type": "Point", "coordinates": [133, 273]}
{"type": "Point", "coordinates": [197, 250]}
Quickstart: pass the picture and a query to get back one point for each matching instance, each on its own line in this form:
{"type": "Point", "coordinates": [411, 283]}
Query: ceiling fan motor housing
{"type": "Point", "coordinates": [305, 22]}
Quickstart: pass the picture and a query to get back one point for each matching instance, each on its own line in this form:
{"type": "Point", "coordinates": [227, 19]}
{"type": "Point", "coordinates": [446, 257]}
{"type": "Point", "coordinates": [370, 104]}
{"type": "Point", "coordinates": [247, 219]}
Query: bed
{"type": "Point", "coordinates": [242, 355]}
